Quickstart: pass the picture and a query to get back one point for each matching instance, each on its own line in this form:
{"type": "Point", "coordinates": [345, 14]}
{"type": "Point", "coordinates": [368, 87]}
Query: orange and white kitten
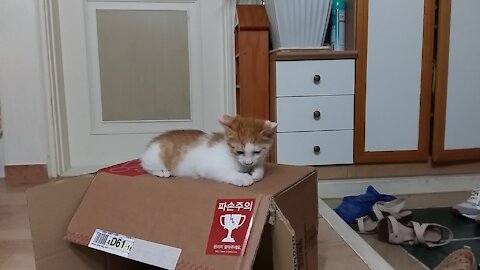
{"type": "Point", "coordinates": [235, 156]}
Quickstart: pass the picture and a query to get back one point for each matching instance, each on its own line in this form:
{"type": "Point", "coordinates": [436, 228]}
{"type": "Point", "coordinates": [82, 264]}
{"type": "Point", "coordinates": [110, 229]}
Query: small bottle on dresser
{"type": "Point", "coordinates": [337, 31]}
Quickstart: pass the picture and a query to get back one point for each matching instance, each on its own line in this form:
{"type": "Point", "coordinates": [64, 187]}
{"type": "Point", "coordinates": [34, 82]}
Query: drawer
{"type": "Point", "coordinates": [298, 78]}
{"type": "Point", "coordinates": [298, 148]}
{"type": "Point", "coordinates": [314, 113]}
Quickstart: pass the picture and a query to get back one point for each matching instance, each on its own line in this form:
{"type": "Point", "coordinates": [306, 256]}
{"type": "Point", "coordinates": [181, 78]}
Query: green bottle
{"type": "Point", "coordinates": [337, 19]}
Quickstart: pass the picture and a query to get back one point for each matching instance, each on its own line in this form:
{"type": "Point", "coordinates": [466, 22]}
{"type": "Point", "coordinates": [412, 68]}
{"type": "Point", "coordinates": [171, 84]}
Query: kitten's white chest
{"type": "Point", "coordinates": [203, 159]}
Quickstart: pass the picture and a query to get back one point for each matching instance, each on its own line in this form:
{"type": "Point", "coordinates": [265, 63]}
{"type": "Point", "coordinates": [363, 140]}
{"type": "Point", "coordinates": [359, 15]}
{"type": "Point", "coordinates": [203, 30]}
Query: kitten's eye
{"type": "Point", "coordinates": [240, 152]}
{"type": "Point", "coordinates": [257, 152]}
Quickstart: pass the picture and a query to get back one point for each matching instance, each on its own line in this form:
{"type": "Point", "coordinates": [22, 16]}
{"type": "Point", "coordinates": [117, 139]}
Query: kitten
{"type": "Point", "coordinates": [235, 156]}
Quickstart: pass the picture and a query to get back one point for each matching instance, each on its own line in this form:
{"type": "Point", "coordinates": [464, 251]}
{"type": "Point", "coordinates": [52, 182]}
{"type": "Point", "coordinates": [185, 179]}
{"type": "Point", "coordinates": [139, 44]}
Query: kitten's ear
{"type": "Point", "coordinates": [269, 128]}
{"type": "Point", "coordinates": [226, 121]}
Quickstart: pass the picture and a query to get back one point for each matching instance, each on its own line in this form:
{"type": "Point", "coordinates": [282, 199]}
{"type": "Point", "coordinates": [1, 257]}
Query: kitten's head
{"type": "Point", "coordinates": [249, 139]}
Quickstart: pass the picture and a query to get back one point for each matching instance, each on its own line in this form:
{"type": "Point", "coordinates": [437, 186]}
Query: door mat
{"type": "Point", "coordinates": [465, 233]}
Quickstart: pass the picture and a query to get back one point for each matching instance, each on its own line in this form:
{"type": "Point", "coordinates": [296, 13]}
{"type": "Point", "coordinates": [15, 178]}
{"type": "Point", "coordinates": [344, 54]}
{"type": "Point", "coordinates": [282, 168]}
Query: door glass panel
{"type": "Point", "coordinates": [144, 64]}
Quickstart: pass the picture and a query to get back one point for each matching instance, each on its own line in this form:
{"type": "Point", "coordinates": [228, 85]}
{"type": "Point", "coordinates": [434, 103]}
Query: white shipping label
{"type": "Point", "coordinates": [135, 249]}
{"type": "Point", "coordinates": [112, 243]}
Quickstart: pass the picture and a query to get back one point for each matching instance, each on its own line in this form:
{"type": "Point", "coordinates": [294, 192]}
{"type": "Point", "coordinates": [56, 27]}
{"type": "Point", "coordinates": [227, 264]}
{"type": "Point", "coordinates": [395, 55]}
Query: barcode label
{"type": "Point", "coordinates": [100, 238]}
{"type": "Point", "coordinates": [135, 249]}
{"type": "Point", "coordinates": [113, 243]}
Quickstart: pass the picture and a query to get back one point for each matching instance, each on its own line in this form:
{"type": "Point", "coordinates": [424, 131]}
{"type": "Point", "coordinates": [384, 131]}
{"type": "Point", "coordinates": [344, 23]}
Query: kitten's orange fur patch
{"type": "Point", "coordinates": [242, 130]}
{"type": "Point", "coordinates": [215, 138]}
{"type": "Point", "coordinates": [175, 144]}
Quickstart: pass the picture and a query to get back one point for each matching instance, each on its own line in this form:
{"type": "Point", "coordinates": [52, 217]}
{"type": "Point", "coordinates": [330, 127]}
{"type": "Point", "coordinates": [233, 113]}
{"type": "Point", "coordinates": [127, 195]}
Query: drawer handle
{"type": "Point", "coordinates": [316, 149]}
{"type": "Point", "coordinates": [316, 114]}
{"type": "Point", "coordinates": [316, 79]}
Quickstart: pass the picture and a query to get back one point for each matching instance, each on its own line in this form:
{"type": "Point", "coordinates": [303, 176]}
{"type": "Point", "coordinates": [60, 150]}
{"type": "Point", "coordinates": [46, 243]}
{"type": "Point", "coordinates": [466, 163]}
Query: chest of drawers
{"type": "Point", "coordinates": [314, 108]}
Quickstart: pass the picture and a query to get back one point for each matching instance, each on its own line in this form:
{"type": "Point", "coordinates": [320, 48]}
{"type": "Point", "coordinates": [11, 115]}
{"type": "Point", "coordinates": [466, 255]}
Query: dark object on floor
{"type": "Point", "coordinates": [353, 207]}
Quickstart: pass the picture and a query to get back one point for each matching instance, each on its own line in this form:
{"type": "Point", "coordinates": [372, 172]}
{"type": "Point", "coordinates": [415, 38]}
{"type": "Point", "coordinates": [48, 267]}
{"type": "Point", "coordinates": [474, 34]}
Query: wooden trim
{"type": "Point", "coordinates": [441, 78]}
{"type": "Point", "coordinates": [273, 103]}
{"type": "Point", "coordinates": [360, 82]}
{"type": "Point", "coordinates": [439, 153]}
{"type": "Point", "coordinates": [421, 154]}
{"type": "Point", "coordinates": [252, 18]}
{"type": "Point", "coordinates": [426, 79]}
{"type": "Point", "coordinates": [312, 54]}
{"type": "Point", "coordinates": [252, 91]}
{"type": "Point", "coordinates": [26, 173]}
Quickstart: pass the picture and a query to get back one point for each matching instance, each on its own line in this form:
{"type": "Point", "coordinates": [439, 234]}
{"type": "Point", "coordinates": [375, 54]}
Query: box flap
{"type": "Point", "coordinates": [283, 241]}
{"type": "Point", "coordinates": [50, 207]}
{"type": "Point", "coordinates": [300, 206]}
{"type": "Point", "coordinates": [176, 213]}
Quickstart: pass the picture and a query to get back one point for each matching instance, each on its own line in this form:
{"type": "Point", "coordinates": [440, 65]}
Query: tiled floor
{"type": "Point", "coordinates": [397, 256]}
{"type": "Point", "coordinates": [465, 232]}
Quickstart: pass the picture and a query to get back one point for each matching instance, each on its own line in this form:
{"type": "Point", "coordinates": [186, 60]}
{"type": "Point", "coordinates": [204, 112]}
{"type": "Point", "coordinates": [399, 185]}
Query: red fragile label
{"type": "Point", "coordinates": [129, 168]}
{"type": "Point", "coordinates": [231, 227]}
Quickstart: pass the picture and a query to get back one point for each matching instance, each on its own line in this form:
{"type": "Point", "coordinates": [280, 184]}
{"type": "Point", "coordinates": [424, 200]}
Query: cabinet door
{"type": "Point", "coordinates": [393, 83]}
{"type": "Point", "coordinates": [457, 95]}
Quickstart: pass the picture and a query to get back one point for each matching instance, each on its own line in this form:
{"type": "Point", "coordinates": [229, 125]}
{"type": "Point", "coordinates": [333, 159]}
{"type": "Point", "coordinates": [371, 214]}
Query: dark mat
{"type": "Point", "coordinates": [463, 229]}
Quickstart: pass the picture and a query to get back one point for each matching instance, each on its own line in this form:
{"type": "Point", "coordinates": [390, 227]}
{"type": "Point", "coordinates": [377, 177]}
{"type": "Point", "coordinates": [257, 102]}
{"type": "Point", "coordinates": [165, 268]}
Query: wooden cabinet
{"type": "Point", "coordinates": [395, 89]}
{"type": "Point", "coordinates": [393, 82]}
{"type": "Point", "coordinates": [312, 102]}
{"type": "Point", "coordinates": [251, 61]}
{"type": "Point", "coordinates": [456, 129]}
{"type": "Point", "coordinates": [312, 95]}
{"type": "Point", "coordinates": [403, 91]}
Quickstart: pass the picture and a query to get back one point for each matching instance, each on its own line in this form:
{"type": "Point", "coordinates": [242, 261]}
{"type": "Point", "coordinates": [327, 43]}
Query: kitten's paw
{"type": "Point", "coordinates": [257, 174]}
{"type": "Point", "coordinates": [162, 173]}
{"type": "Point", "coordinates": [243, 180]}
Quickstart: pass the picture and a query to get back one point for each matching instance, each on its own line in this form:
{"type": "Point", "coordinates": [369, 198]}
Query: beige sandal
{"type": "Point", "coordinates": [429, 234]}
{"type": "Point", "coordinates": [367, 224]}
{"type": "Point", "coordinates": [460, 259]}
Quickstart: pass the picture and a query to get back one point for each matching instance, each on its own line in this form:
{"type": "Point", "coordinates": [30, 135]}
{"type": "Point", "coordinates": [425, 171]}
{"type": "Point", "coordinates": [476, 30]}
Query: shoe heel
{"type": "Point", "coordinates": [382, 229]}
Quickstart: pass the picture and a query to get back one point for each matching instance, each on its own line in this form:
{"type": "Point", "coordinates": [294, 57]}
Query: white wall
{"type": "Point", "coordinates": [22, 98]}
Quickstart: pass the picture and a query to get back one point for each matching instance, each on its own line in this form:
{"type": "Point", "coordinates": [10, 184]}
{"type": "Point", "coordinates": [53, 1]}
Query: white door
{"type": "Point", "coordinates": [456, 135]}
{"type": "Point", "coordinates": [128, 70]}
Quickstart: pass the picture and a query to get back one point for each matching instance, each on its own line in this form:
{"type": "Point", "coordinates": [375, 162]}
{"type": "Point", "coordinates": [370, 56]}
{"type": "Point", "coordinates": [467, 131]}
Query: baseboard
{"type": "Point", "coordinates": [35, 173]}
{"type": "Point", "coordinates": [329, 189]}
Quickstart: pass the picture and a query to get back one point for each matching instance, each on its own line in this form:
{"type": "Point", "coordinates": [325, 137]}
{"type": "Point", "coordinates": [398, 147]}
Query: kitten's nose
{"type": "Point", "coordinates": [248, 162]}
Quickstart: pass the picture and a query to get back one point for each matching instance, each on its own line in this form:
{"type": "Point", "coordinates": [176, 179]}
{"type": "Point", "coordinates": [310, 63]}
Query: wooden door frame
{"type": "Point", "coordinates": [439, 153]}
{"type": "Point", "coordinates": [422, 153]}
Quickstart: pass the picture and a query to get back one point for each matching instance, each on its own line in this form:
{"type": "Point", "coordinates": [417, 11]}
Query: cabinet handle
{"type": "Point", "coordinates": [316, 79]}
{"type": "Point", "coordinates": [316, 149]}
{"type": "Point", "coordinates": [316, 114]}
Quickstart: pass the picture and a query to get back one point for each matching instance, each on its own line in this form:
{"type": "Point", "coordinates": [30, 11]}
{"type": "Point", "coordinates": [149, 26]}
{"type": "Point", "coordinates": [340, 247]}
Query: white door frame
{"type": "Point", "coordinates": [58, 159]}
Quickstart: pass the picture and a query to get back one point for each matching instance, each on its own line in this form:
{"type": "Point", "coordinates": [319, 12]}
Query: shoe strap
{"type": "Point", "coordinates": [420, 229]}
{"type": "Point", "coordinates": [395, 228]}
{"type": "Point", "coordinates": [378, 213]}
{"type": "Point", "coordinates": [361, 224]}
{"type": "Point", "coordinates": [393, 208]}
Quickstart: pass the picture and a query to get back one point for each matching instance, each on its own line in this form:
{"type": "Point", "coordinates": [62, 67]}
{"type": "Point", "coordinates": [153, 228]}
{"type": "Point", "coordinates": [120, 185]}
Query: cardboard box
{"type": "Point", "coordinates": [176, 223]}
